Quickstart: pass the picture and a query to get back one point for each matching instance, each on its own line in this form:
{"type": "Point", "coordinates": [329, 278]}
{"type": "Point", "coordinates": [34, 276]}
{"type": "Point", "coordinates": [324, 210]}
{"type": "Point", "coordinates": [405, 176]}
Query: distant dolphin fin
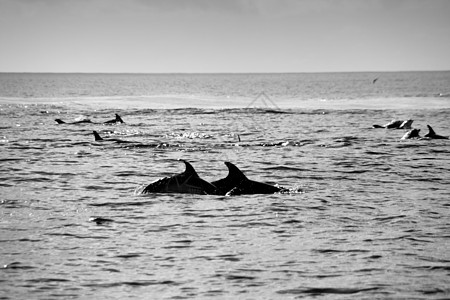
{"type": "Point", "coordinates": [59, 121]}
{"type": "Point", "coordinates": [119, 119]}
{"type": "Point", "coordinates": [97, 136]}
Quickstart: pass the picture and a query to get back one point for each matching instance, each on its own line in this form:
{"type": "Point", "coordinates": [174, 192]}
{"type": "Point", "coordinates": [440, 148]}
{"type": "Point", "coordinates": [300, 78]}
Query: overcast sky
{"type": "Point", "coordinates": [197, 36]}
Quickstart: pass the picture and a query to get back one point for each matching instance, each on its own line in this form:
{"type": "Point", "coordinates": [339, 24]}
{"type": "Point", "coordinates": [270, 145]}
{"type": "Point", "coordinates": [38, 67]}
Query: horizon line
{"type": "Point", "coordinates": [218, 73]}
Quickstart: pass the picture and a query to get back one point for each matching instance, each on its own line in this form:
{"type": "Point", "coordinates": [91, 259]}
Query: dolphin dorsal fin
{"type": "Point", "coordinates": [234, 172]}
{"type": "Point", "coordinates": [430, 131]}
{"type": "Point", "coordinates": [97, 136]}
{"type": "Point", "coordinates": [189, 169]}
{"type": "Point", "coordinates": [59, 121]}
{"type": "Point", "coordinates": [119, 119]}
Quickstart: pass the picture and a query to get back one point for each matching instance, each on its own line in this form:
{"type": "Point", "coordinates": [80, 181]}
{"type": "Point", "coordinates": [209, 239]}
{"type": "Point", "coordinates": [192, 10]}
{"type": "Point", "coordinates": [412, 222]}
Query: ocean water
{"type": "Point", "coordinates": [371, 219]}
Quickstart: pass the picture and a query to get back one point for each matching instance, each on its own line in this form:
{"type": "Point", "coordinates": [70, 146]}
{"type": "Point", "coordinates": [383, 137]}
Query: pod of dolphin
{"type": "Point", "coordinates": [116, 120]}
{"type": "Point", "coordinates": [235, 183]}
{"type": "Point", "coordinates": [412, 133]}
{"type": "Point", "coordinates": [188, 182]}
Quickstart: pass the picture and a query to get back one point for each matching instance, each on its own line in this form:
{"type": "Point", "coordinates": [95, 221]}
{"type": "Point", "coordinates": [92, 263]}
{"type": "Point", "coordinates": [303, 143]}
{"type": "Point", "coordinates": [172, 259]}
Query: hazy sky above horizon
{"type": "Point", "coordinates": [196, 36]}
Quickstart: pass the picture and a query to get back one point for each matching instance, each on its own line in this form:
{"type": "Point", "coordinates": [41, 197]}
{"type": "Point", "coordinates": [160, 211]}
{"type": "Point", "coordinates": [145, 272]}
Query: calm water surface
{"type": "Point", "coordinates": [372, 220]}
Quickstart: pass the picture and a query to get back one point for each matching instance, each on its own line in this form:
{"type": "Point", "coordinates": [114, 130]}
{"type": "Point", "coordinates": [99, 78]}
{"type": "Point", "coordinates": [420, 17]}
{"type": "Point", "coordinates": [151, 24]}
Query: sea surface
{"type": "Point", "coordinates": [369, 218]}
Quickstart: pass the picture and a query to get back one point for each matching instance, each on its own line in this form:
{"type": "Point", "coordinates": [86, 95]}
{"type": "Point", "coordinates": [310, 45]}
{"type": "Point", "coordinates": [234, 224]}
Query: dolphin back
{"type": "Point", "coordinates": [181, 185]}
{"type": "Point", "coordinates": [157, 186]}
{"type": "Point", "coordinates": [394, 124]}
{"type": "Point", "coordinates": [433, 135]}
{"type": "Point", "coordinates": [254, 187]}
{"type": "Point", "coordinates": [187, 182]}
{"type": "Point", "coordinates": [116, 120]}
{"type": "Point", "coordinates": [412, 134]}
{"type": "Point", "coordinates": [234, 178]}
{"type": "Point", "coordinates": [236, 183]}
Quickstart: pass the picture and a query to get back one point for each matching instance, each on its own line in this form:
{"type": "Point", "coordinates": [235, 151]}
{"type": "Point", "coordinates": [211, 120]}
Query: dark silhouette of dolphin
{"type": "Point", "coordinates": [396, 124]}
{"type": "Point", "coordinates": [98, 138]}
{"type": "Point", "coordinates": [236, 183]}
{"type": "Point", "coordinates": [116, 120]}
{"type": "Point", "coordinates": [59, 121]}
{"type": "Point", "coordinates": [412, 134]}
{"type": "Point", "coordinates": [187, 182]}
{"type": "Point", "coordinates": [432, 135]}
{"type": "Point", "coordinates": [100, 220]}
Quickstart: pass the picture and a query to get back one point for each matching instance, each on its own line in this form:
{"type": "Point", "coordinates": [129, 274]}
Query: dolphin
{"type": "Point", "coordinates": [129, 144]}
{"type": "Point", "coordinates": [396, 124]}
{"type": "Point", "coordinates": [59, 121]}
{"type": "Point", "coordinates": [412, 134]}
{"type": "Point", "coordinates": [432, 135]}
{"type": "Point", "coordinates": [187, 182]}
{"type": "Point", "coordinates": [98, 138]}
{"type": "Point", "coordinates": [116, 120]}
{"type": "Point", "coordinates": [236, 183]}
